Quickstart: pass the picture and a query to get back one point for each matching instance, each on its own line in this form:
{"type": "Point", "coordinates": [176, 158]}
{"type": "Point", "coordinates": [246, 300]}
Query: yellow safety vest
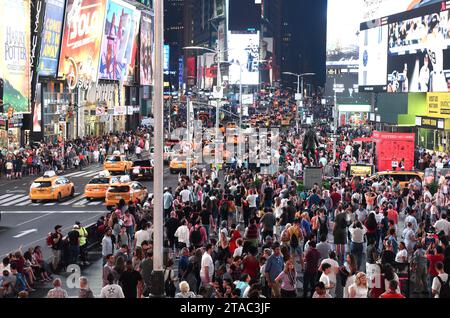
{"type": "Point", "coordinates": [83, 235]}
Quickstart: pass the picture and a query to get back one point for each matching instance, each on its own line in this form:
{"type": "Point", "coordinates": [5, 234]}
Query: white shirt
{"type": "Point", "coordinates": [357, 234]}
{"type": "Point", "coordinates": [326, 281]}
{"type": "Point", "coordinates": [408, 235]}
{"type": "Point", "coordinates": [437, 284]}
{"type": "Point", "coordinates": [361, 292]}
{"type": "Point", "coordinates": [112, 291]}
{"type": "Point", "coordinates": [207, 261]}
{"type": "Point", "coordinates": [238, 251]}
{"type": "Point", "coordinates": [141, 236]}
{"type": "Point", "coordinates": [402, 256]}
{"type": "Point", "coordinates": [252, 200]}
{"type": "Point", "coordinates": [334, 264]}
{"type": "Point", "coordinates": [182, 233]}
{"type": "Point", "coordinates": [411, 219]}
{"type": "Point", "coordinates": [442, 225]}
{"type": "Point", "coordinates": [185, 195]}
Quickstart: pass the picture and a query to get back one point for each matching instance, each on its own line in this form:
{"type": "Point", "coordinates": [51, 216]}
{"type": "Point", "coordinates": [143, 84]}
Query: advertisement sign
{"type": "Point", "coordinates": [219, 8]}
{"type": "Point", "coordinates": [191, 63]}
{"type": "Point", "coordinates": [361, 170]}
{"type": "Point", "coordinates": [166, 58]}
{"type": "Point", "coordinates": [438, 105]}
{"type": "Point", "coordinates": [15, 53]}
{"type": "Point", "coordinates": [430, 123]}
{"type": "Point", "coordinates": [419, 61]}
{"type": "Point", "coordinates": [390, 146]}
{"type": "Point", "coordinates": [132, 49]}
{"type": "Point", "coordinates": [267, 60]}
{"type": "Point", "coordinates": [51, 37]}
{"type": "Point", "coordinates": [37, 21]}
{"type": "Point", "coordinates": [180, 72]}
{"type": "Point", "coordinates": [210, 71]}
{"type": "Point", "coordinates": [147, 48]}
{"type": "Point", "coordinates": [82, 40]}
{"type": "Point", "coordinates": [375, 9]}
{"type": "Point", "coordinates": [37, 111]}
{"type": "Point", "coordinates": [118, 40]}
{"type": "Point", "coordinates": [244, 55]}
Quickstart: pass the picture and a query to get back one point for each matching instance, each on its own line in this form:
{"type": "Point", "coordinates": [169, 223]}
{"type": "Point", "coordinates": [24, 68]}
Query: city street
{"type": "Point", "coordinates": [26, 224]}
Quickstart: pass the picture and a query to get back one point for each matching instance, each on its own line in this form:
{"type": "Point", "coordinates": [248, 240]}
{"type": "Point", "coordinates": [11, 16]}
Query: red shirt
{"type": "Point", "coordinates": [336, 197]}
{"type": "Point", "coordinates": [393, 216]}
{"type": "Point", "coordinates": [433, 259]}
{"type": "Point", "coordinates": [391, 295]}
{"type": "Point", "coordinates": [251, 266]}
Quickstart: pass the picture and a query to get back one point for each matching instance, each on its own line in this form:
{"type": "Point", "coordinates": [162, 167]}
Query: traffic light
{"type": "Point", "coordinates": [10, 112]}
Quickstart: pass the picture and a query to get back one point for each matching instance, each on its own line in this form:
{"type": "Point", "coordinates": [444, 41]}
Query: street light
{"type": "Point", "coordinates": [158, 251]}
{"type": "Point", "coordinates": [219, 84]}
{"type": "Point", "coordinates": [298, 90]}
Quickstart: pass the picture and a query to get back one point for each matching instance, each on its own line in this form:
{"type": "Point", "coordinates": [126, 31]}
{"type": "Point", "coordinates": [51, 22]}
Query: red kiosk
{"type": "Point", "coordinates": [390, 146]}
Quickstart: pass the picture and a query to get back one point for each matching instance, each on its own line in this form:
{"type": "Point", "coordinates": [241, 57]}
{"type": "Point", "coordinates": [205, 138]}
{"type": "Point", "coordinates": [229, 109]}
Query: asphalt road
{"type": "Point", "coordinates": [27, 224]}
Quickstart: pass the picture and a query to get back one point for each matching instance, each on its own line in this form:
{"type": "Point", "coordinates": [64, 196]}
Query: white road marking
{"type": "Point", "coordinates": [24, 203]}
{"type": "Point", "coordinates": [50, 203]}
{"type": "Point", "coordinates": [16, 202]}
{"type": "Point", "coordinates": [82, 202]}
{"type": "Point", "coordinates": [5, 195]}
{"type": "Point", "coordinates": [11, 198]}
{"type": "Point", "coordinates": [77, 198]}
{"type": "Point", "coordinates": [34, 219]}
{"type": "Point", "coordinates": [95, 203]}
{"type": "Point", "coordinates": [23, 233]}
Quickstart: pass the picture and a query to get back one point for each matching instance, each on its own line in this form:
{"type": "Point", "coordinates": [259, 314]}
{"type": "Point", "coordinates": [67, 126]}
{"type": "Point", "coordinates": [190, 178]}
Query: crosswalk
{"type": "Point", "coordinates": [82, 174]}
{"type": "Point", "coordinates": [22, 200]}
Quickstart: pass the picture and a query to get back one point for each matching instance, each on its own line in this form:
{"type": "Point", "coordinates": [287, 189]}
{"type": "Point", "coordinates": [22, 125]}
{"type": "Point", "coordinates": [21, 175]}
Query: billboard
{"type": "Point", "coordinates": [407, 51]}
{"type": "Point", "coordinates": [438, 105]}
{"type": "Point", "coordinates": [243, 53]}
{"type": "Point", "coordinates": [375, 9]}
{"type": "Point", "coordinates": [419, 54]}
{"type": "Point", "coordinates": [166, 58]}
{"type": "Point", "coordinates": [51, 38]}
{"type": "Point", "coordinates": [244, 15]}
{"type": "Point", "coordinates": [15, 53]}
{"type": "Point", "coordinates": [210, 71]}
{"type": "Point", "coordinates": [132, 48]}
{"type": "Point", "coordinates": [118, 40]}
{"type": "Point", "coordinates": [147, 48]}
{"type": "Point", "coordinates": [267, 60]}
{"type": "Point", "coordinates": [82, 40]}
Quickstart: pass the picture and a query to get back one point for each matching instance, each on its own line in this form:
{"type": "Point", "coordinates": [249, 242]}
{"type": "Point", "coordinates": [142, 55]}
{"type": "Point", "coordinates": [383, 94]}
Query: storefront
{"type": "Point", "coordinates": [353, 115]}
{"type": "Point", "coordinates": [433, 133]}
{"type": "Point", "coordinates": [59, 112]}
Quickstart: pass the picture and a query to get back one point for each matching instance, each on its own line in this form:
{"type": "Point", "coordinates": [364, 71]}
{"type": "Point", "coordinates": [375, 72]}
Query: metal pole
{"type": "Point", "coordinates": [189, 137]}
{"type": "Point", "coordinates": [241, 112]}
{"type": "Point", "coordinates": [336, 115]}
{"type": "Point", "coordinates": [297, 117]}
{"type": "Point", "coordinates": [158, 250]}
{"type": "Point", "coordinates": [219, 85]}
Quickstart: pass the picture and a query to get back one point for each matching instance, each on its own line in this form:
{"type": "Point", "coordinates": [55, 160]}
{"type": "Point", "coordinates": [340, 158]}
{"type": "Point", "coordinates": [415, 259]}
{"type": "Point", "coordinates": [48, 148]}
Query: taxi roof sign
{"type": "Point", "coordinates": [49, 174]}
{"type": "Point", "coordinates": [104, 174]}
{"type": "Point", "coordinates": [120, 179]}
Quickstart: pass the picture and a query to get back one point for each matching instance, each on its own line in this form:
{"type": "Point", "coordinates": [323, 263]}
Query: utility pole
{"type": "Point", "coordinates": [189, 137]}
{"type": "Point", "coordinates": [336, 121]}
{"type": "Point", "coordinates": [158, 250]}
{"type": "Point", "coordinates": [219, 101]}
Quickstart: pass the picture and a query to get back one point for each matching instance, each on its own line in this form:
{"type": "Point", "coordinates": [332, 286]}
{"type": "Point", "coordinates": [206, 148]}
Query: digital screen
{"type": "Point", "coordinates": [244, 15]}
{"type": "Point", "coordinates": [243, 54]}
{"type": "Point", "coordinates": [166, 58]}
{"type": "Point", "coordinates": [406, 51]}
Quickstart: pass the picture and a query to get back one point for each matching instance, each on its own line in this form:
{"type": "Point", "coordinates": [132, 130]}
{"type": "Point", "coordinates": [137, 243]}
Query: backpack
{"type": "Point", "coordinates": [444, 292]}
{"type": "Point", "coordinates": [50, 240]}
{"type": "Point", "coordinates": [294, 241]}
{"type": "Point", "coordinates": [196, 237]}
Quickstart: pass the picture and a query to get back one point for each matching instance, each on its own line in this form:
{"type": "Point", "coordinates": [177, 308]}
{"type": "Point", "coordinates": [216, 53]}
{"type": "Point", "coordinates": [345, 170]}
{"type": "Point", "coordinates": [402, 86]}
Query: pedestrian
{"type": "Point", "coordinates": [57, 291]}
{"type": "Point", "coordinates": [55, 242]}
{"type": "Point", "coordinates": [83, 240]}
{"type": "Point", "coordinates": [207, 266]}
{"type": "Point", "coordinates": [359, 289]}
{"type": "Point", "coordinates": [311, 266]}
{"type": "Point", "coordinates": [273, 267]}
{"type": "Point", "coordinates": [85, 291]}
{"type": "Point", "coordinates": [111, 290]}
{"type": "Point", "coordinates": [108, 242]}
{"type": "Point", "coordinates": [288, 279]}
{"type": "Point", "coordinates": [74, 244]}
{"type": "Point", "coordinates": [131, 282]}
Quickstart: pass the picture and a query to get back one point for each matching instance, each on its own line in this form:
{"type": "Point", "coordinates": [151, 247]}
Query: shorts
{"type": "Point", "coordinates": [8, 171]}
{"type": "Point", "coordinates": [298, 250]}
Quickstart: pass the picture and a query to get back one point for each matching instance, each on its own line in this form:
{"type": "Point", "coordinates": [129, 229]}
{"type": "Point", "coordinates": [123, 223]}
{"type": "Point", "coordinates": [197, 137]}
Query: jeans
{"type": "Point", "coordinates": [309, 282]}
{"type": "Point", "coordinates": [207, 229]}
{"type": "Point", "coordinates": [74, 253]}
{"type": "Point", "coordinates": [357, 250]}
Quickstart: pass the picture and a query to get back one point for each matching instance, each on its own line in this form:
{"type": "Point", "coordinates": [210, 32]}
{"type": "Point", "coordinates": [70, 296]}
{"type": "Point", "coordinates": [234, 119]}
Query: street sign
{"type": "Point", "coordinates": [298, 96]}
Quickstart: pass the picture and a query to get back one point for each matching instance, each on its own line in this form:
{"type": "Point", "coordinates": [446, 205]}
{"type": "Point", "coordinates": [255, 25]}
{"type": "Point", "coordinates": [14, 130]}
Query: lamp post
{"type": "Point", "coordinates": [219, 85]}
{"type": "Point", "coordinates": [298, 91]}
{"type": "Point", "coordinates": [158, 251]}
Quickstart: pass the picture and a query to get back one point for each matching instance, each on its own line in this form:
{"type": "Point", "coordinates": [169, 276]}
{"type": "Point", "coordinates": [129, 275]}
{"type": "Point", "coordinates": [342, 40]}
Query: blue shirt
{"type": "Point", "coordinates": [274, 266]}
{"type": "Point", "coordinates": [394, 244]}
{"type": "Point", "coordinates": [281, 179]}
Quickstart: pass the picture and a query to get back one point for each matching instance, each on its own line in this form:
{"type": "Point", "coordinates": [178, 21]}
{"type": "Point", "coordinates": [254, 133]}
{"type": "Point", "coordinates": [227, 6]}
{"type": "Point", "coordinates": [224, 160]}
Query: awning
{"type": "Point", "coordinates": [363, 139]}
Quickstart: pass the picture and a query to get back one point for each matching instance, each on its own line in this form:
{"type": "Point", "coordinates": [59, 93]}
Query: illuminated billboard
{"type": "Point", "coordinates": [118, 40]}
{"type": "Point", "coordinates": [51, 38]}
{"type": "Point", "coordinates": [15, 53]}
{"type": "Point", "coordinates": [147, 48]}
{"type": "Point", "coordinates": [82, 39]}
{"type": "Point", "coordinates": [407, 52]}
{"type": "Point", "coordinates": [243, 53]}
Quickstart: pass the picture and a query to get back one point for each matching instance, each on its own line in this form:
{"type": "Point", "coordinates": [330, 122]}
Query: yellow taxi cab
{"type": "Point", "coordinates": [97, 186]}
{"type": "Point", "coordinates": [117, 163]}
{"type": "Point", "coordinates": [179, 164]}
{"type": "Point", "coordinates": [51, 187]}
{"type": "Point", "coordinates": [403, 177]}
{"type": "Point", "coordinates": [124, 188]}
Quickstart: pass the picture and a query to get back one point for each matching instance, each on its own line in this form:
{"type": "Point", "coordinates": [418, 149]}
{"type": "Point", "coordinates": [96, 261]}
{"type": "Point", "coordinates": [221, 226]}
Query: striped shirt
{"type": "Point", "coordinates": [57, 292]}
